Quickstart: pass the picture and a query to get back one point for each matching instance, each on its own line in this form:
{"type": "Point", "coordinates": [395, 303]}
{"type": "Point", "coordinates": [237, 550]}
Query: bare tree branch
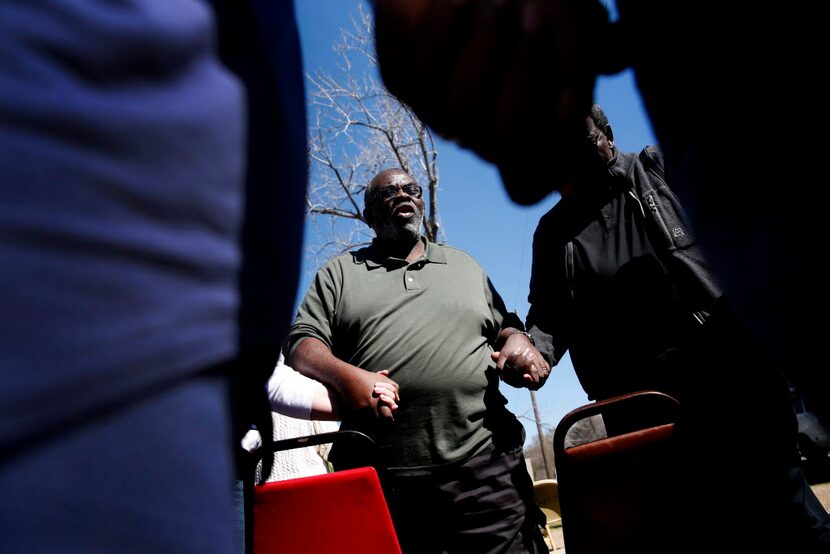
{"type": "Point", "coordinates": [358, 129]}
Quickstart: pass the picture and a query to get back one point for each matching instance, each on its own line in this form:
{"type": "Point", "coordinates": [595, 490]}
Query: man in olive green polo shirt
{"type": "Point", "coordinates": [429, 315]}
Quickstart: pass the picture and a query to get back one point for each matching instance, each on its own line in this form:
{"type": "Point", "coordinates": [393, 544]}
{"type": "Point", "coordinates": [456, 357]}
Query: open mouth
{"type": "Point", "coordinates": [406, 210]}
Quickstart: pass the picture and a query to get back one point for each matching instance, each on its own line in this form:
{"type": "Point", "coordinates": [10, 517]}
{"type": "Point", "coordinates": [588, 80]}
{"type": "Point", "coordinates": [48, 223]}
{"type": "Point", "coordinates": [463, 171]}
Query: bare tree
{"type": "Point", "coordinates": [357, 130]}
{"type": "Point", "coordinates": [537, 450]}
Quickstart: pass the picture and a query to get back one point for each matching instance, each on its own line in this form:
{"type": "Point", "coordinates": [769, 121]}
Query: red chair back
{"type": "Point", "coordinates": [336, 513]}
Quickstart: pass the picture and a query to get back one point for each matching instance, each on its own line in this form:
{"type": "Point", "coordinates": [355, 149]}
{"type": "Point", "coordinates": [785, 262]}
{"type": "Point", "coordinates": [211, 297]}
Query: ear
{"type": "Point", "coordinates": [609, 133]}
{"type": "Point", "coordinates": [367, 216]}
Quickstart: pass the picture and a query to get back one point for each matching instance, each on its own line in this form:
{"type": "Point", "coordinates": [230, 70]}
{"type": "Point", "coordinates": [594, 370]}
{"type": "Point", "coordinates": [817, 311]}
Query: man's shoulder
{"type": "Point", "coordinates": [652, 156]}
{"type": "Point", "coordinates": [358, 256]}
{"type": "Point", "coordinates": [336, 260]}
{"type": "Point", "coordinates": [649, 155]}
{"type": "Point", "coordinates": [455, 255]}
{"type": "Point", "coordinates": [350, 258]}
{"type": "Point", "coordinates": [631, 165]}
{"type": "Point", "coordinates": [452, 250]}
{"type": "Point", "coordinates": [650, 172]}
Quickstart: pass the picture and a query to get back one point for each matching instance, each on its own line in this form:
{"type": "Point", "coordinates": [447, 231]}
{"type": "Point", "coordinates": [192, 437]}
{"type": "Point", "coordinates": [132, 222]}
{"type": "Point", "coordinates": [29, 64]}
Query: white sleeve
{"type": "Point", "coordinates": [252, 440]}
{"type": "Point", "coordinates": [291, 393]}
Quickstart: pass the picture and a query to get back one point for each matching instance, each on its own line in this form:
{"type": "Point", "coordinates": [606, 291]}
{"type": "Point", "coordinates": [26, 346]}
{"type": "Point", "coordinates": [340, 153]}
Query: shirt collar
{"type": "Point", "coordinates": [374, 257]}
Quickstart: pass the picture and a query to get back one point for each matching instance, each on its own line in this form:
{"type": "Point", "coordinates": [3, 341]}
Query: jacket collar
{"type": "Point", "coordinates": [621, 166]}
{"type": "Point", "coordinates": [616, 176]}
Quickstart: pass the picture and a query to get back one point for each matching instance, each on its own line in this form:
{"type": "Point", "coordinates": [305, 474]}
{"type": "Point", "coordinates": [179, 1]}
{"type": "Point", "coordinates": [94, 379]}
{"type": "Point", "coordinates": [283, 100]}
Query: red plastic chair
{"type": "Point", "coordinates": [342, 512]}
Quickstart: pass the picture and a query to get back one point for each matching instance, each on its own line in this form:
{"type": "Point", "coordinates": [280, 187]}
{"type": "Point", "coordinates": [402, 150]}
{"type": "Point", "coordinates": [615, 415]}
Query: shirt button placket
{"type": "Point", "coordinates": [410, 279]}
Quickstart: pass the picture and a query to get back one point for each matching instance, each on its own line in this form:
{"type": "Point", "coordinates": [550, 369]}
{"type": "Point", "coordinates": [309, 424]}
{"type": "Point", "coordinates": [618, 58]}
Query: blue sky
{"type": "Point", "coordinates": [475, 212]}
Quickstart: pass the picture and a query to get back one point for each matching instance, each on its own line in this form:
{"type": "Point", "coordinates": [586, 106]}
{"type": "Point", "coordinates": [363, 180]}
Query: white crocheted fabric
{"type": "Point", "coordinates": [300, 462]}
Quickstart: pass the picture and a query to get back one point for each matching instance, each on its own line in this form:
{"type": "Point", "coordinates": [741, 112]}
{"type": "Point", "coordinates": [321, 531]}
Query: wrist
{"type": "Point", "coordinates": [525, 333]}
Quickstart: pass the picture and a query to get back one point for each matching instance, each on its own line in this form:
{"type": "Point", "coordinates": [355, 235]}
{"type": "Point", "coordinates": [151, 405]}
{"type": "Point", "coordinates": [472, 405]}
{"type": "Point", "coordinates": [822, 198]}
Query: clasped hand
{"type": "Point", "coordinates": [373, 392]}
{"type": "Point", "coordinates": [520, 364]}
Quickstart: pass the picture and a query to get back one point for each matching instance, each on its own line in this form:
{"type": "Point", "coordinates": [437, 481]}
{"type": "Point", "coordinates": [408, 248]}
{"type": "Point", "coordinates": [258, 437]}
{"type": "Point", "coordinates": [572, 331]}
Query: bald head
{"type": "Point", "coordinates": [384, 178]}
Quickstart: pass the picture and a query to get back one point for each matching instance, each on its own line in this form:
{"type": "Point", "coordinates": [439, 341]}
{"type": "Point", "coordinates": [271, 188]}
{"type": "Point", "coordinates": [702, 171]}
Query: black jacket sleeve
{"type": "Point", "coordinates": [550, 295]}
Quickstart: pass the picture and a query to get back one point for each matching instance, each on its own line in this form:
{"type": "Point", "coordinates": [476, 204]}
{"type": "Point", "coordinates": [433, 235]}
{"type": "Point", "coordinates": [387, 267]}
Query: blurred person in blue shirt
{"type": "Point", "coordinates": [153, 162]}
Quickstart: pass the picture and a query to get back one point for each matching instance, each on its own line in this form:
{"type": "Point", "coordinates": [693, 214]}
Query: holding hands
{"type": "Point", "coordinates": [360, 392]}
{"type": "Point", "coordinates": [519, 363]}
{"type": "Point", "coordinates": [371, 393]}
{"type": "Point", "coordinates": [387, 394]}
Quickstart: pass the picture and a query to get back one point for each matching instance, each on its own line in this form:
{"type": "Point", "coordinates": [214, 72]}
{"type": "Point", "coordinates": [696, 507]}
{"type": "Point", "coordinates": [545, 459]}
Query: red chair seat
{"type": "Point", "coordinates": [343, 512]}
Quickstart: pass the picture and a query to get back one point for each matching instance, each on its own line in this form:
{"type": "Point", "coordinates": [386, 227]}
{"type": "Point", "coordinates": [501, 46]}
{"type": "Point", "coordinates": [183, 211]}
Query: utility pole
{"type": "Point", "coordinates": [545, 454]}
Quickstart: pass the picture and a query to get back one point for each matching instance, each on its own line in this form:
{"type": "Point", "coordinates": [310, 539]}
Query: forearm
{"type": "Point", "coordinates": [544, 344]}
{"type": "Point", "coordinates": [505, 333]}
{"type": "Point", "coordinates": [314, 359]}
{"type": "Point", "coordinates": [353, 387]}
{"type": "Point", "coordinates": [546, 324]}
{"type": "Point", "coordinates": [325, 405]}
{"type": "Point", "coordinates": [519, 362]}
{"type": "Point", "coordinates": [292, 394]}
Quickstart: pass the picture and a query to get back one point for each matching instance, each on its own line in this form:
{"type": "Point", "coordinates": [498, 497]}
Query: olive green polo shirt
{"type": "Point", "coordinates": [432, 323]}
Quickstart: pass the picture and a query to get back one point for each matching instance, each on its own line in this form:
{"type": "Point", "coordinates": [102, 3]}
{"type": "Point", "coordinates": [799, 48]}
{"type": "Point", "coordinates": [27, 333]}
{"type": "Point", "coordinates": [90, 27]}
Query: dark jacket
{"type": "Point", "coordinates": [671, 234]}
{"type": "Point", "coordinates": [618, 279]}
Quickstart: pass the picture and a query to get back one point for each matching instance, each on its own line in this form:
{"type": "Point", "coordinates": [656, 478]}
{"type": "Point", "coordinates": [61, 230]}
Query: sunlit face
{"type": "Point", "coordinates": [599, 143]}
{"type": "Point", "coordinates": [396, 208]}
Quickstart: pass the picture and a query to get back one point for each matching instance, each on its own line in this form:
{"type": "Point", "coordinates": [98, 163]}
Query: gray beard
{"type": "Point", "coordinates": [410, 232]}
